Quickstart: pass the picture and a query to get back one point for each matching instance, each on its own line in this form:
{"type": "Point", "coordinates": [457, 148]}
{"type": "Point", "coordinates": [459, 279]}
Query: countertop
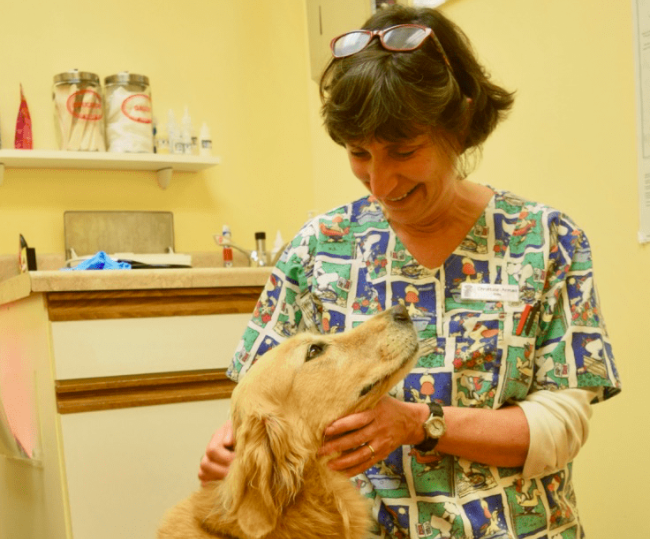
{"type": "Point", "coordinates": [14, 286]}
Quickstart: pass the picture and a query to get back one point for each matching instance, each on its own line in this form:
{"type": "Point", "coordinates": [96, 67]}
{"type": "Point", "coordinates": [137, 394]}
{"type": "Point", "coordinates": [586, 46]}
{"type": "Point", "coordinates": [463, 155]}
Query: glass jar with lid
{"type": "Point", "coordinates": [78, 111]}
{"type": "Point", "coordinates": [128, 113]}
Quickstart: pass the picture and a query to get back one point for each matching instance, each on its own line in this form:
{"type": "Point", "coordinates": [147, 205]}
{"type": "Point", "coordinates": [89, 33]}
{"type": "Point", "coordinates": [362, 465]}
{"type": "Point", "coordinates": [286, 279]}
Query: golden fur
{"type": "Point", "coordinates": [277, 486]}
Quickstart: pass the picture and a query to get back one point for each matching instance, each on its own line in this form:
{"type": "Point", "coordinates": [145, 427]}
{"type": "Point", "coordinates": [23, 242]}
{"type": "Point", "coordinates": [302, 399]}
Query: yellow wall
{"type": "Point", "coordinates": [570, 142]}
{"type": "Point", "coordinates": [241, 66]}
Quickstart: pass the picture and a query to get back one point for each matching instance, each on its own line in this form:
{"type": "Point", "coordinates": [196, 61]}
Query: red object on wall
{"type": "Point", "coordinates": [23, 139]}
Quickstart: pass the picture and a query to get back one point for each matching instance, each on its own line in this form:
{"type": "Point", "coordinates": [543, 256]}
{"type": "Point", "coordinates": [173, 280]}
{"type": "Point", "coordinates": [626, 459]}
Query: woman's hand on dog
{"type": "Point", "coordinates": [386, 427]}
{"type": "Point", "coordinates": [219, 455]}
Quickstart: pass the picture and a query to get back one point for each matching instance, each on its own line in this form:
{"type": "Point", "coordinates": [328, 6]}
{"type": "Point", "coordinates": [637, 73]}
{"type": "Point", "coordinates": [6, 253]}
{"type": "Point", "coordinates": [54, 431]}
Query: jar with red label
{"type": "Point", "coordinates": [128, 113]}
{"type": "Point", "coordinates": [79, 111]}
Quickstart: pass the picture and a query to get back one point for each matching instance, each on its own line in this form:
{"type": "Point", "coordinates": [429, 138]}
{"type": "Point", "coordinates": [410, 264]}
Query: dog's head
{"type": "Point", "coordinates": [283, 405]}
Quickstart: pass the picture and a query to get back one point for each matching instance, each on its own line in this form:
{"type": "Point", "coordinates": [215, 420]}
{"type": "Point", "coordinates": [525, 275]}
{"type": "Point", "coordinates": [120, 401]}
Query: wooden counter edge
{"type": "Point", "coordinates": [115, 392]}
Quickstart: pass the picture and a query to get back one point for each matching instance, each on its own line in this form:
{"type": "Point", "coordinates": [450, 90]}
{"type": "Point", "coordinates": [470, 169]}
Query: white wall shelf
{"type": "Point", "coordinates": [163, 165]}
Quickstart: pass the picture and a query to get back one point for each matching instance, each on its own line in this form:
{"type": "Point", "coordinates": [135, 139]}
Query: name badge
{"type": "Point", "coordinates": [490, 292]}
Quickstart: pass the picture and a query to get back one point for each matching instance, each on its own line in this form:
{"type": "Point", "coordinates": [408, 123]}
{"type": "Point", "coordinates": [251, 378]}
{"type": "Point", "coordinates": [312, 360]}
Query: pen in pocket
{"type": "Point", "coordinates": [528, 316]}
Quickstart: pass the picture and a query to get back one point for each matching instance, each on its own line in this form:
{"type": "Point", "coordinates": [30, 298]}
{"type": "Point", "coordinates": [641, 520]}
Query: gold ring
{"type": "Point", "coordinates": [372, 450]}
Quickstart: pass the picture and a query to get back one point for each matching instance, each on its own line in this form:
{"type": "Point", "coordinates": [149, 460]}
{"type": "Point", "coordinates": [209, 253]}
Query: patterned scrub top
{"type": "Point", "coordinates": [538, 326]}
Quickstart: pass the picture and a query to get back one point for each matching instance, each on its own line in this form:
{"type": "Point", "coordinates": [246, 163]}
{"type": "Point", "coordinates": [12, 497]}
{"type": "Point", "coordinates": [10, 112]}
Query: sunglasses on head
{"type": "Point", "coordinates": [402, 37]}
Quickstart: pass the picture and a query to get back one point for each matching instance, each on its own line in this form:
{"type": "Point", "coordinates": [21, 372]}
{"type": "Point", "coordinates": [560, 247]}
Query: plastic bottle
{"type": "Point", "coordinates": [259, 256]}
{"type": "Point", "coordinates": [161, 140]}
{"type": "Point", "coordinates": [186, 132]}
{"type": "Point", "coordinates": [154, 132]}
{"type": "Point", "coordinates": [278, 245]}
{"type": "Point", "coordinates": [173, 134]}
{"type": "Point", "coordinates": [227, 250]}
{"type": "Point", "coordinates": [205, 142]}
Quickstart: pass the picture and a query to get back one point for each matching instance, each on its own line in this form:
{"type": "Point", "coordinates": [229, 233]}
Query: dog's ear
{"type": "Point", "coordinates": [267, 472]}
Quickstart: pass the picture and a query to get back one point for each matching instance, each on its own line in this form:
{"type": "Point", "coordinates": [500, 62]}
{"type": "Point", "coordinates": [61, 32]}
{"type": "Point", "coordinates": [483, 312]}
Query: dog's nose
{"type": "Point", "coordinates": [400, 314]}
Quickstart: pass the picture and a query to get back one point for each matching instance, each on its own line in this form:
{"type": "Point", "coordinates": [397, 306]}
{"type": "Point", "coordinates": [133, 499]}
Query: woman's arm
{"type": "Point", "coordinates": [493, 437]}
{"type": "Point", "coordinates": [542, 433]}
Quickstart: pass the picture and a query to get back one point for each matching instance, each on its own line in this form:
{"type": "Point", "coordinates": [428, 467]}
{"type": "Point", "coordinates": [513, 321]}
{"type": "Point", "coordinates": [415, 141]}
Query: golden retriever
{"type": "Point", "coordinates": [277, 487]}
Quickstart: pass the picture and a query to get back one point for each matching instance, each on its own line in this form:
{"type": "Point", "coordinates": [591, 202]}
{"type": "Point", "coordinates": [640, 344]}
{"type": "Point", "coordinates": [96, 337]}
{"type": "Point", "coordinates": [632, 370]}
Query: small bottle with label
{"type": "Point", "coordinates": [278, 245]}
{"type": "Point", "coordinates": [227, 250]}
{"type": "Point", "coordinates": [205, 141]}
{"type": "Point", "coordinates": [186, 132]}
{"type": "Point", "coordinates": [259, 256]}
{"type": "Point", "coordinates": [161, 141]}
{"type": "Point", "coordinates": [173, 135]}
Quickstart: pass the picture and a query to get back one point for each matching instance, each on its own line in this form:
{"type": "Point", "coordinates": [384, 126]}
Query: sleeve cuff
{"type": "Point", "coordinates": [558, 428]}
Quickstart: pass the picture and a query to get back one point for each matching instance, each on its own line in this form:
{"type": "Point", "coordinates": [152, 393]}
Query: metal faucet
{"type": "Point", "coordinates": [257, 257]}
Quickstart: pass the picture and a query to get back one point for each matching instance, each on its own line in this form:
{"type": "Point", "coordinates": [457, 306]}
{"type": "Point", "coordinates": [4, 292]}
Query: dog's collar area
{"type": "Point", "coordinates": [367, 389]}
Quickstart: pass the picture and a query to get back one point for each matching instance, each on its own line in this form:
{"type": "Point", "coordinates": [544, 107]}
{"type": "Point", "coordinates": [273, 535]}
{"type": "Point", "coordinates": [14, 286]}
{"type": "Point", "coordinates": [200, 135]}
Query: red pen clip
{"type": "Point", "coordinates": [528, 316]}
{"type": "Point", "coordinates": [523, 319]}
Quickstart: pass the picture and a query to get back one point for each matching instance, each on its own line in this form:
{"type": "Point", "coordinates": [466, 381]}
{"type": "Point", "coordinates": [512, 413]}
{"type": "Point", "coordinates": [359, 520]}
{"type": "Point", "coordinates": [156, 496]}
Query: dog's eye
{"type": "Point", "coordinates": [313, 351]}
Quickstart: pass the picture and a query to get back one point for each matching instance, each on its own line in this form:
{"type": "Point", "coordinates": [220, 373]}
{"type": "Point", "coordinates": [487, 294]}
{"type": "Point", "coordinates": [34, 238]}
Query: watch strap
{"type": "Point", "coordinates": [429, 444]}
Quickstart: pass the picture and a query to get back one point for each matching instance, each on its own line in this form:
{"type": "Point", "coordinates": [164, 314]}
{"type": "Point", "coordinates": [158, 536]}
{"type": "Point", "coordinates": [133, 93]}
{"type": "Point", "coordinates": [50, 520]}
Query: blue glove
{"type": "Point", "coordinates": [99, 262]}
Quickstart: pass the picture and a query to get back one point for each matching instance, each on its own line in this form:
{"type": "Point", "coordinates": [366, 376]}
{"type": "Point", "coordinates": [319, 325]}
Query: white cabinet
{"type": "Point", "coordinates": [122, 390]}
{"type": "Point", "coordinates": [131, 346]}
{"type": "Point", "coordinates": [327, 19]}
{"type": "Point", "coordinates": [125, 468]}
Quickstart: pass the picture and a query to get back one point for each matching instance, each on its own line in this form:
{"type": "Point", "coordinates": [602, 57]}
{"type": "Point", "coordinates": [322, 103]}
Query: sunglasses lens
{"type": "Point", "coordinates": [350, 43]}
{"type": "Point", "coordinates": [404, 37]}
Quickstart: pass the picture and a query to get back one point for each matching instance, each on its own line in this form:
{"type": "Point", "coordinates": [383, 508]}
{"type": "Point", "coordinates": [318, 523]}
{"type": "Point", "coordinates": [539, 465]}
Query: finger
{"type": "Point", "coordinates": [361, 457]}
{"type": "Point", "coordinates": [228, 434]}
{"type": "Point", "coordinates": [223, 436]}
{"type": "Point", "coordinates": [221, 457]}
{"type": "Point", "coordinates": [346, 442]}
{"type": "Point", "coordinates": [221, 447]}
{"type": "Point", "coordinates": [349, 423]}
{"type": "Point", "coordinates": [211, 471]}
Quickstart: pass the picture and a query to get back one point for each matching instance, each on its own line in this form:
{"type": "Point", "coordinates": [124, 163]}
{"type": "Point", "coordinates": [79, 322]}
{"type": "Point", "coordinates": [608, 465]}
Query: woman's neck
{"type": "Point", "coordinates": [433, 242]}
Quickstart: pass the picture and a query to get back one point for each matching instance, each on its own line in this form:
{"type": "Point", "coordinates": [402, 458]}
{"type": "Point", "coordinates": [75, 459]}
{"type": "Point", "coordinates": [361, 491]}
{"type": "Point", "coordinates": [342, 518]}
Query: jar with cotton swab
{"type": "Point", "coordinates": [79, 111]}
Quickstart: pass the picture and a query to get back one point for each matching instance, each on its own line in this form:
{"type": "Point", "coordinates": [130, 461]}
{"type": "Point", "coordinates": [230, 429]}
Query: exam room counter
{"type": "Point", "coordinates": [114, 381]}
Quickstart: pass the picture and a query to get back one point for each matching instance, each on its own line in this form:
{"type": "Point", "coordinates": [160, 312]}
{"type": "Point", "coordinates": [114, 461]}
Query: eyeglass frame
{"type": "Point", "coordinates": [380, 35]}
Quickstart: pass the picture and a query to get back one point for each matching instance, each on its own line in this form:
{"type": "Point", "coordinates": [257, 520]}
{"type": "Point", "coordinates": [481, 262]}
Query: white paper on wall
{"type": "Point", "coordinates": [641, 15]}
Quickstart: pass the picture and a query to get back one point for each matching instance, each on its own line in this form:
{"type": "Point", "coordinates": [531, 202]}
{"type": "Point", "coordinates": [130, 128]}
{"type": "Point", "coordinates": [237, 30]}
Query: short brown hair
{"type": "Point", "coordinates": [393, 96]}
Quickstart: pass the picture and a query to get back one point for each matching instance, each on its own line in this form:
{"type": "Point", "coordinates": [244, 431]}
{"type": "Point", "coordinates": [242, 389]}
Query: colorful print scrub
{"type": "Point", "coordinates": [513, 310]}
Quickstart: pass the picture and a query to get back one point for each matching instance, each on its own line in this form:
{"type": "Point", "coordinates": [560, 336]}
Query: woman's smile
{"type": "Point", "coordinates": [398, 199]}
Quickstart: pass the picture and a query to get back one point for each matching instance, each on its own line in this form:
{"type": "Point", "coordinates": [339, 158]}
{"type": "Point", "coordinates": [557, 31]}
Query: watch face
{"type": "Point", "coordinates": [435, 427]}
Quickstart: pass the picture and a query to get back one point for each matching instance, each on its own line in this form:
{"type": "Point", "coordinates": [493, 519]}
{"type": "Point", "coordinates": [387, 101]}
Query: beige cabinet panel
{"type": "Point", "coordinates": [125, 468]}
{"type": "Point", "coordinates": [32, 494]}
{"type": "Point", "coordinates": [117, 347]}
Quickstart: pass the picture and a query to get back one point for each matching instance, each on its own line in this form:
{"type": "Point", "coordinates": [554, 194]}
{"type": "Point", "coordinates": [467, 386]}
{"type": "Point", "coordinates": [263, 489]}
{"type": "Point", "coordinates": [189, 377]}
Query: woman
{"type": "Point", "coordinates": [478, 440]}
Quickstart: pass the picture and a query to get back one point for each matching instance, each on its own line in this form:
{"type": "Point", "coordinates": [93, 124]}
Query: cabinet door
{"type": "Point", "coordinates": [125, 346]}
{"type": "Point", "coordinates": [327, 19]}
{"type": "Point", "coordinates": [125, 468]}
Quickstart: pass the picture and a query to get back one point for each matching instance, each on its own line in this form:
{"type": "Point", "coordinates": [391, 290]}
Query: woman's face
{"type": "Point", "coordinates": [414, 180]}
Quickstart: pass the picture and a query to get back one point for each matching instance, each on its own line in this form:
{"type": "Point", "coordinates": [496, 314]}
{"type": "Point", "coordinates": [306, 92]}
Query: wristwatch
{"type": "Point", "coordinates": [434, 428]}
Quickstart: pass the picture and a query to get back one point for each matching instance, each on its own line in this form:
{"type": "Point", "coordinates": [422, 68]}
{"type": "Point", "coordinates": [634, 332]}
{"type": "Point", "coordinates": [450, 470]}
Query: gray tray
{"type": "Point", "coordinates": [142, 232]}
